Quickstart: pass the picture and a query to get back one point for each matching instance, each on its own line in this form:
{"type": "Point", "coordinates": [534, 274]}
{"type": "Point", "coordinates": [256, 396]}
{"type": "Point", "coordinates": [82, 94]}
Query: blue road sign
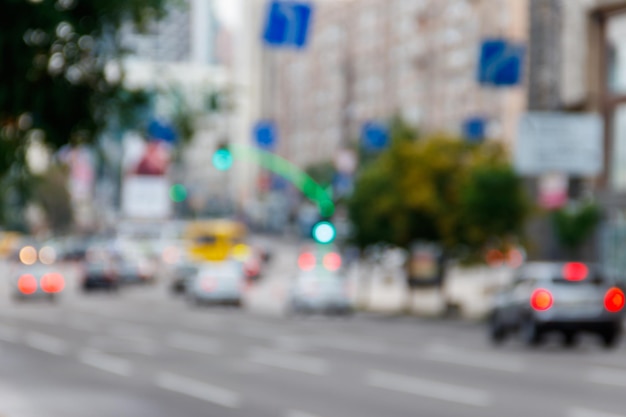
{"type": "Point", "coordinates": [287, 23]}
{"type": "Point", "coordinates": [474, 129]}
{"type": "Point", "coordinates": [265, 134]}
{"type": "Point", "coordinates": [160, 130]}
{"type": "Point", "coordinates": [374, 136]}
{"type": "Point", "coordinates": [501, 63]}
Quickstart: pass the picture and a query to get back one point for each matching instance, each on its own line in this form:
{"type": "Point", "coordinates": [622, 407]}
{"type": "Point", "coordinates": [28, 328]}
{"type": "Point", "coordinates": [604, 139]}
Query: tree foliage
{"type": "Point", "coordinates": [438, 189]}
{"type": "Point", "coordinates": [575, 224]}
{"type": "Point", "coordinates": [58, 71]}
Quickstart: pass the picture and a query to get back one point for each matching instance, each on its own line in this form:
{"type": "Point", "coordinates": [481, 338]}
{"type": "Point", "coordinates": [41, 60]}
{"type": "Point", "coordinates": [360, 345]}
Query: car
{"type": "Point", "coordinates": [181, 274]}
{"type": "Point", "coordinates": [37, 281]}
{"type": "Point", "coordinates": [99, 274]}
{"type": "Point", "coordinates": [134, 270]}
{"type": "Point", "coordinates": [320, 292]}
{"type": "Point", "coordinates": [569, 297]}
{"type": "Point", "coordinates": [319, 286]}
{"type": "Point", "coordinates": [217, 283]}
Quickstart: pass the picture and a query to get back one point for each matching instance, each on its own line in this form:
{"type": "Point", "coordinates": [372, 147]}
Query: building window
{"type": "Point", "coordinates": [616, 54]}
{"type": "Point", "coordinates": [614, 43]}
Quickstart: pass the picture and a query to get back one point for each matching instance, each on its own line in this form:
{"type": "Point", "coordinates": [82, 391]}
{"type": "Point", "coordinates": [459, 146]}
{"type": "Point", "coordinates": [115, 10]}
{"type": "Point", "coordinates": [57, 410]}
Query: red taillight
{"type": "Point", "coordinates": [27, 284]}
{"type": "Point", "coordinates": [541, 300]}
{"type": "Point", "coordinates": [332, 261]}
{"type": "Point", "coordinates": [52, 283]}
{"type": "Point", "coordinates": [306, 261]}
{"type": "Point", "coordinates": [575, 271]}
{"type": "Point", "coordinates": [614, 300]}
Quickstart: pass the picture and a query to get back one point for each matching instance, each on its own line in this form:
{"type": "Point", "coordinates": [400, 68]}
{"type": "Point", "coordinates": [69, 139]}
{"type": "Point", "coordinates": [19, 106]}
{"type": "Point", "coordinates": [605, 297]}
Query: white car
{"type": "Point", "coordinates": [217, 283]}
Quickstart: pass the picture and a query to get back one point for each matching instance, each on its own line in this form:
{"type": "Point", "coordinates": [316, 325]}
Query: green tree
{"type": "Point", "coordinates": [439, 189]}
{"type": "Point", "coordinates": [60, 75]}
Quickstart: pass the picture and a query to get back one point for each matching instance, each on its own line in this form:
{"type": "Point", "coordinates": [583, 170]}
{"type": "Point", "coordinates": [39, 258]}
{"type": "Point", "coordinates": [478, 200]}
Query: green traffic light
{"type": "Point", "coordinates": [178, 193]}
{"type": "Point", "coordinates": [222, 159]}
{"type": "Point", "coordinates": [324, 232]}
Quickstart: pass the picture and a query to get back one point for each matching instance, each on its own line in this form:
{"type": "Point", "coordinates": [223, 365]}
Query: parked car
{"type": "Point", "coordinates": [99, 274]}
{"type": "Point", "coordinates": [319, 286]}
{"type": "Point", "coordinates": [36, 281]}
{"type": "Point", "coordinates": [569, 298]}
{"type": "Point", "coordinates": [217, 283]}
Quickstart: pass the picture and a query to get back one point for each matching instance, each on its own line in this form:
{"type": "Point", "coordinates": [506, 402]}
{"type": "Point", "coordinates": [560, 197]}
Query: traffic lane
{"type": "Point", "coordinates": [63, 387]}
{"type": "Point", "coordinates": [400, 370]}
{"type": "Point", "coordinates": [266, 331]}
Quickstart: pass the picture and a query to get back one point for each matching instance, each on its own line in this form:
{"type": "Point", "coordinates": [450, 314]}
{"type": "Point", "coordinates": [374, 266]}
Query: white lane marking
{"type": "Point", "coordinates": [291, 343]}
{"type": "Point", "coordinates": [106, 362]}
{"type": "Point", "coordinates": [289, 361]}
{"type": "Point", "coordinates": [193, 343]}
{"type": "Point", "coordinates": [46, 343]}
{"type": "Point", "coordinates": [351, 345]}
{"type": "Point", "coordinates": [427, 388]}
{"type": "Point", "coordinates": [298, 413]}
{"type": "Point", "coordinates": [8, 334]}
{"type": "Point", "coordinates": [198, 389]}
{"type": "Point", "coordinates": [607, 376]}
{"type": "Point", "coordinates": [584, 412]}
{"type": "Point", "coordinates": [446, 354]}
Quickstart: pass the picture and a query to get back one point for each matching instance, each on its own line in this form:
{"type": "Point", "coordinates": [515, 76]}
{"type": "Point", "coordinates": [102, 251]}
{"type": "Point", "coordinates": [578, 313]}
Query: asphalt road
{"type": "Point", "coordinates": [146, 353]}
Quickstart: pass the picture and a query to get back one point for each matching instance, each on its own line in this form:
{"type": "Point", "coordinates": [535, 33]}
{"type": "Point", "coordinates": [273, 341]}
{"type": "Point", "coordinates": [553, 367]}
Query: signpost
{"type": "Point", "coordinates": [501, 63]}
{"type": "Point", "coordinates": [552, 142]}
{"type": "Point", "coordinates": [287, 24]}
{"type": "Point", "coordinates": [474, 129]}
{"type": "Point", "coordinates": [265, 135]}
{"type": "Point", "coordinates": [374, 136]}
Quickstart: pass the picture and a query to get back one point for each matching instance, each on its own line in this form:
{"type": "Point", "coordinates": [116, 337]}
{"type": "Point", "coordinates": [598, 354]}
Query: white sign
{"type": "Point", "coordinates": [559, 142]}
{"type": "Point", "coordinates": [146, 197]}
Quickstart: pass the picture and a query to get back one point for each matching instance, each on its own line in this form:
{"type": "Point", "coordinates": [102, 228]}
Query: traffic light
{"type": "Point", "coordinates": [324, 232]}
{"type": "Point", "coordinates": [178, 193]}
{"type": "Point", "coordinates": [223, 158]}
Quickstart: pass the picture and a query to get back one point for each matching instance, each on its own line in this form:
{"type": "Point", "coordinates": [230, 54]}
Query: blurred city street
{"type": "Point", "coordinates": [143, 352]}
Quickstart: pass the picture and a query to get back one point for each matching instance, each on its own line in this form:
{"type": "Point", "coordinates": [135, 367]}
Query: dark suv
{"type": "Point", "coordinates": [566, 297]}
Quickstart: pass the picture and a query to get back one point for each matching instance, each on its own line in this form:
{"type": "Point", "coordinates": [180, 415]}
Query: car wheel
{"type": "Point", "coordinates": [610, 338]}
{"type": "Point", "coordinates": [531, 333]}
{"type": "Point", "coordinates": [497, 331]}
{"type": "Point", "coordinates": [570, 339]}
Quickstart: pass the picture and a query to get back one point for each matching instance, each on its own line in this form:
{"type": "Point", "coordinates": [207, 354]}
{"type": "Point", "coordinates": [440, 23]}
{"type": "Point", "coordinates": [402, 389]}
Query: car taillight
{"type": "Point", "coordinates": [541, 299]}
{"type": "Point", "coordinates": [306, 261]}
{"type": "Point", "coordinates": [614, 300]}
{"type": "Point", "coordinates": [575, 271]}
{"type": "Point", "coordinates": [27, 284]}
{"type": "Point", "coordinates": [332, 261]}
{"type": "Point", "coordinates": [52, 283]}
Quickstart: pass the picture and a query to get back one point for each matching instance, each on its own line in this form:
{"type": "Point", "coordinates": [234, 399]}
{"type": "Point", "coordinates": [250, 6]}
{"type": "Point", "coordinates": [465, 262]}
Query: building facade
{"type": "Point", "coordinates": [371, 59]}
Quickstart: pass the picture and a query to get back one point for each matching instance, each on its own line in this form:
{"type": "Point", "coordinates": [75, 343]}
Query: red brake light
{"type": "Point", "coordinates": [575, 271]}
{"type": "Point", "coordinates": [27, 284]}
{"type": "Point", "coordinates": [306, 261]}
{"type": "Point", "coordinates": [541, 300]}
{"type": "Point", "coordinates": [614, 300]}
{"type": "Point", "coordinates": [332, 261]}
{"type": "Point", "coordinates": [52, 283]}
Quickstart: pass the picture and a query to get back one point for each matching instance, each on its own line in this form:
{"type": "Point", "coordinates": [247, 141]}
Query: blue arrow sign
{"type": "Point", "coordinates": [265, 134]}
{"type": "Point", "coordinates": [500, 63]}
{"type": "Point", "coordinates": [161, 130]}
{"type": "Point", "coordinates": [374, 136]}
{"type": "Point", "coordinates": [287, 23]}
{"type": "Point", "coordinates": [474, 129]}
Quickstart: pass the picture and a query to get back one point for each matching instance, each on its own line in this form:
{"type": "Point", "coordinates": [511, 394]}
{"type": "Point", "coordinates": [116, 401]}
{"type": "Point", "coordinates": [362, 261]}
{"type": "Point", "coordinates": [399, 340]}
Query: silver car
{"type": "Point", "coordinates": [320, 291]}
{"type": "Point", "coordinates": [217, 283]}
{"type": "Point", "coordinates": [569, 298]}
{"type": "Point", "coordinates": [36, 281]}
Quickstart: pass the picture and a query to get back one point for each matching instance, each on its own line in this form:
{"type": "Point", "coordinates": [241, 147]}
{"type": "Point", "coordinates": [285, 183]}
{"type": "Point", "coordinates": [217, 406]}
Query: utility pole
{"type": "Point", "coordinates": [544, 69]}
